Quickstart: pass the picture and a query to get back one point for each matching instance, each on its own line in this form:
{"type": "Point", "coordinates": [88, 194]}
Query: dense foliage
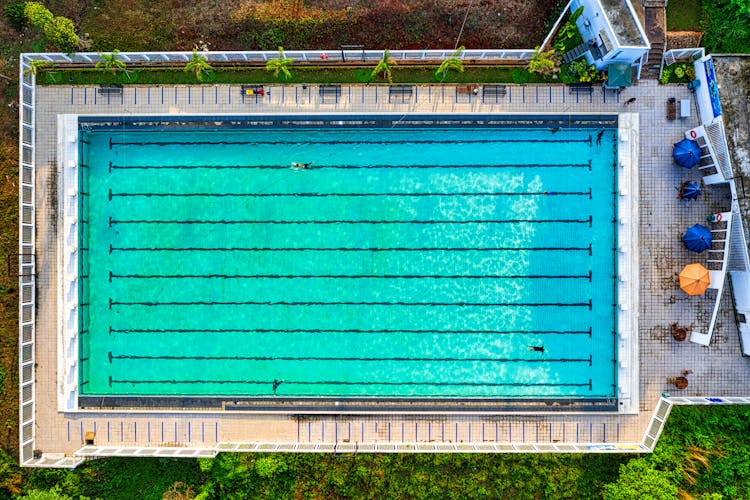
{"type": "Point", "coordinates": [704, 453]}
{"type": "Point", "coordinates": [726, 26]}
{"type": "Point", "coordinates": [59, 30]}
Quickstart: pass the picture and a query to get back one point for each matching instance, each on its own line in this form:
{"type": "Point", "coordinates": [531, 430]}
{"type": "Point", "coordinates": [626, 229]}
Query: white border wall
{"type": "Point", "coordinates": [67, 262]}
{"type": "Point", "coordinates": [628, 281]}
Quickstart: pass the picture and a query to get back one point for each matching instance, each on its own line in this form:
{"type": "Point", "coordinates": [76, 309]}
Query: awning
{"type": "Point", "coordinates": [619, 75]}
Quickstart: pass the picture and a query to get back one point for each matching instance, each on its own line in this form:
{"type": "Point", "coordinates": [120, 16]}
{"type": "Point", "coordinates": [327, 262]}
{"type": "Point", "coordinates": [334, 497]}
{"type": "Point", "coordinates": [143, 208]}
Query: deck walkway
{"type": "Point", "coordinates": [716, 371]}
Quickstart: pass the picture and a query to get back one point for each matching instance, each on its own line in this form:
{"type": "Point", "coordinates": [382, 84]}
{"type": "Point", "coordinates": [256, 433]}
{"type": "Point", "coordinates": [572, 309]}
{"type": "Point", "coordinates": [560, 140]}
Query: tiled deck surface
{"type": "Point", "coordinates": [716, 371]}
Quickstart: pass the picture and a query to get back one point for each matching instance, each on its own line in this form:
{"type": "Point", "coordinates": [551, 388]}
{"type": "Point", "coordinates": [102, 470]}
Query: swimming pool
{"type": "Point", "coordinates": [412, 258]}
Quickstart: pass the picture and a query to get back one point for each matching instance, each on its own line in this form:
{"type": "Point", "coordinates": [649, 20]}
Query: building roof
{"type": "Point", "coordinates": [622, 19]}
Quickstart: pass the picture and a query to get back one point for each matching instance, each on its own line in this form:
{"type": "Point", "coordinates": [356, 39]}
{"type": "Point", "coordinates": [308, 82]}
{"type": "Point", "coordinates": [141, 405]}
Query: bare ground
{"type": "Point", "coordinates": [320, 24]}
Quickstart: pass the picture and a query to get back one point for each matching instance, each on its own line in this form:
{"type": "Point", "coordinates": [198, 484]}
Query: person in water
{"type": "Point", "coordinates": [599, 138]}
{"type": "Point", "coordinates": [301, 166]}
{"type": "Point", "coordinates": [276, 384]}
{"type": "Point", "coordinates": [536, 348]}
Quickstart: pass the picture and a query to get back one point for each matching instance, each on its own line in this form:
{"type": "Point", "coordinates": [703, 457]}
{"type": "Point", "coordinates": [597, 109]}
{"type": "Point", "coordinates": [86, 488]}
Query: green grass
{"type": "Point", "coordinates": [489, 74]}
{"type": "Point", "coordinates": [684, 15]}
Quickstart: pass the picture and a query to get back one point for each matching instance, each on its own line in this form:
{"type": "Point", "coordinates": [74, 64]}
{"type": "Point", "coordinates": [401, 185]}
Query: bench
{"type": "Point", "coordinates": [115, 88]}
{"type": "Point", "coordinates": [467, 89]}
{"type": "Point", "coordinates": [329, 90]}
{"type": "Point", "coordinates": [248, 90]}
{"type": "Point", "coordinates": [405, 91]}
{"type": "Point", "coordinates": [581, 88]}
{"type": "Point", "coordinates": [401, 89]}
{"type": "Point", "coordinates": [494, 90]}
{"type": "Point", "coordinates": [671, 108]}
{"type": "Point", "coordinates": [325, 90]}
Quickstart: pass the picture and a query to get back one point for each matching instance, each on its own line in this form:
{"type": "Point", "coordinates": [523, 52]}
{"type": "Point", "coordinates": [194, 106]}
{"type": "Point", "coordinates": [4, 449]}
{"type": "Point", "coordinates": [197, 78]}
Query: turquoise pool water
{"type": "Point", "coordinates": [404, 262]}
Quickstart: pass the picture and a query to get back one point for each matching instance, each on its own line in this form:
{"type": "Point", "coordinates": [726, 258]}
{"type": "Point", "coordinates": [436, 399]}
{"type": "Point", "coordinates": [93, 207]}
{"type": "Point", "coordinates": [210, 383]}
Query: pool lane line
{"type": "Point", "coordinates": [353, 330]}
{"type": "Point", "coordinates": [350, 276]}
{"type": "Point", "coordinates": [342, 358]}
{"type": "Point", "coordinates": [353, 383]}
{"type": "Point", "coordinates": [345, 142]}
{"type": "Point", "coordinates": [586, 165]}
{"type": "Point", "coordinates": [588, 221]}
{"type": "Point", "coordinates": [587, 249]}
{"type": "Point", "coordinates": [352, 195]}
{"type": "Point", "coordinates": [347, 303]}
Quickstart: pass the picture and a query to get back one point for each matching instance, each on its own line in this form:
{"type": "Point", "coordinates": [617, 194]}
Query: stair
{"type": "Point", "coordinates": [575, 53]}
{"type": "Point", "coordinates": [655, 18]}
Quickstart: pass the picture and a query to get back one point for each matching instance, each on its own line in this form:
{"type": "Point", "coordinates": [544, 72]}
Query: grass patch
{"type": "Point", "coordinates": [684, 15]}
{"type": "Point", "coordinates": [308, 74]}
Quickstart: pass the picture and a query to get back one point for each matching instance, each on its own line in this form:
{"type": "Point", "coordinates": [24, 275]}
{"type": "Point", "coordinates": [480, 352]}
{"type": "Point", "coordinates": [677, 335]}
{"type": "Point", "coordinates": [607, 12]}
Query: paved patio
{"type": "Point", "coordinates": [718, 370]}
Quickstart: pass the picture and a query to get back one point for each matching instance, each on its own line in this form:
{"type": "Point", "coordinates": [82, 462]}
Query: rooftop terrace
{"type": "Point", "coordinates": [623, 23]}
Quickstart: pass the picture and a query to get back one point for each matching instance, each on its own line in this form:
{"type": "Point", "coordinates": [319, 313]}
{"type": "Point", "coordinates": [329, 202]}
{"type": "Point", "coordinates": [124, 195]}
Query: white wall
{"type": "Point", "coordinates": [590, 24]}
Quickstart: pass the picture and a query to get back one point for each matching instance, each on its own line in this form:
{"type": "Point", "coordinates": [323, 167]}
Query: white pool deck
{"type": "Point", "coordinates": [715, 371]}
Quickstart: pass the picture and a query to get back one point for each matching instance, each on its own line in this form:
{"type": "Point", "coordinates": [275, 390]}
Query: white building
{"type": "Point", "coordinates": [613, 33]}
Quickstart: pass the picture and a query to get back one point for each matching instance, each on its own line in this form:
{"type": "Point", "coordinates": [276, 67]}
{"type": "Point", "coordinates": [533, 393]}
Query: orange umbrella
{"type": "Point", "coordinates": [694, 279]}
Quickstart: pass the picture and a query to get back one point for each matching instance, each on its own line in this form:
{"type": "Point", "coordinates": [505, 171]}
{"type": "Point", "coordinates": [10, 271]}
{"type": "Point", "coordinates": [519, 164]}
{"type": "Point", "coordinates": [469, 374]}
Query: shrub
{"type": "Point", "coordinates": [520, 76]}
{"type": "Point", "coordinates": [270, 38]}
{"type": "Point", "coordinates": [14, 11]}
{"type": "Point", "coordinates": [61, 32]}
{"type": "Point", "coordinates": [639, 479]}
{"type": "Point", "coordinates": [544, 63]}
{"type": "Point", "coordinates": [678, 73]}
{"type": "Point", "coordinates": [37, 14]}
{"type": "Point", "coordinates": [58, 30]}
{"type": "Point", "coordinates": [581, 71]}
{"type": "Point", "coordinates": [666, 74]}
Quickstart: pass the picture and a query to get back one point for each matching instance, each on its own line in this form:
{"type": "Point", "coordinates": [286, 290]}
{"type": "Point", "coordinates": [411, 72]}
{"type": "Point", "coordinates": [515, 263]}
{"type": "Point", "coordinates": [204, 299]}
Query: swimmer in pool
{"type": "Point", "coordinates": [536, 348]}
{"type": "Point", "coordinates": [301, 166]}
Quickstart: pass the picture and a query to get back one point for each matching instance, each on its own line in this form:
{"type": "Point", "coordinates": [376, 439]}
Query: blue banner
{"type": "Point", "coordinates": [713, 87]}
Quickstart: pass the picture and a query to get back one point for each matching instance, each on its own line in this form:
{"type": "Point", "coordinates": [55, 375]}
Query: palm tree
{"type": "Point", "coordinates": [453, 63]}
{"type": "Point", "coordinates": [384, 66]}
{"type": "Point", "coordinates": [198, 66]}
{"type": "Point", "coordinates": [280, 65]}
{"type": "Point", "coordinates": [110, 62]}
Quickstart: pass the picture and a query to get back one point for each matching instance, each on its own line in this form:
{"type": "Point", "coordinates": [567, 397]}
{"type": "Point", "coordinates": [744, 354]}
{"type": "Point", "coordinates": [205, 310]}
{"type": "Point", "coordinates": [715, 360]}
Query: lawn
{"type": "Point", "coordinates": [684, 15]}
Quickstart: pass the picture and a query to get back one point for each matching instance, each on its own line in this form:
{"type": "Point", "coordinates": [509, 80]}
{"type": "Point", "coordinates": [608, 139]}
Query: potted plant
{"type": "Point", "coordinates": [679, 333]}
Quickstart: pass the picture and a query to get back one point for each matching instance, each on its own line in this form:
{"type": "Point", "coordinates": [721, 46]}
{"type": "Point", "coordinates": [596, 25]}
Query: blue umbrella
{"type": "Point", "coordinates": [697, 238]}
{"type": "Point", "coordinates": [687, 153]}
{"type": "Point", "coordinates": [690, 191]}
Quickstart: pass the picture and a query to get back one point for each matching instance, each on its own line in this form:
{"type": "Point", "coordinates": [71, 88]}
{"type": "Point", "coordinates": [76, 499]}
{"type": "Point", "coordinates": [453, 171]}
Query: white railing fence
{"type": "Point", "coordinates": [656, 426]}
{"type": "Point", "coordinates": [681, 55]}
{"type": "Point", "coordinates": [317, 56]}
{"type": "Point", "coordinates": [26, 264]}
